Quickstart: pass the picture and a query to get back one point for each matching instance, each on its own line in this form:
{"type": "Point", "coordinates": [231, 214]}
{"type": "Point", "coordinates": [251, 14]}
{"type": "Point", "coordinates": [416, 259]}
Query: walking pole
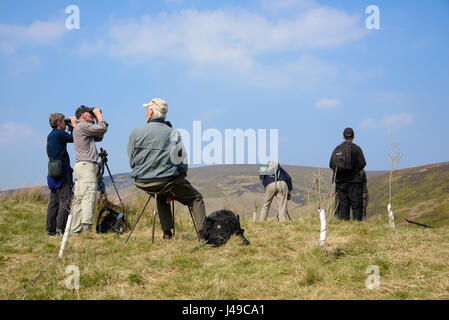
{"type": "Point", "coordinates": [68, 227]}
{"type": "Point", "coordinates": [194, 224]}
{"type": "Point", "coordinates": [66, 236]}
{"type": "Point", "coordinates": [149, 197]}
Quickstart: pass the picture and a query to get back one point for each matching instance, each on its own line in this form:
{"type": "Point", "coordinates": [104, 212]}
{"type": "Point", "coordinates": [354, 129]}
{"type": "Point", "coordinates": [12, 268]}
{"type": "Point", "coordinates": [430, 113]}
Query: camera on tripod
{"type": "Point", "coordinates": [103, 154]}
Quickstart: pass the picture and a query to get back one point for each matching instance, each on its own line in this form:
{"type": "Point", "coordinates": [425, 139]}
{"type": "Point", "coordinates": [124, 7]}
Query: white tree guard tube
{"type": "Point", "coordinates": [66, 236]}
{"type": "Point", "coordinates": [390, 213]}
{"type": "Point", "coordinates": [323, 227]}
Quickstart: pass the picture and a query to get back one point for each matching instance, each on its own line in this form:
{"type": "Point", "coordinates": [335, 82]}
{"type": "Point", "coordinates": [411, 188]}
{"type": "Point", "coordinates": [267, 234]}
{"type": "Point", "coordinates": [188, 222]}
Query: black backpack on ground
{"type": "Point", "coordinates": [342, 157]}
{"type": "Point", "coordinates": [220, 225]}
{"type": "Point", "coordinates": [113, 221]}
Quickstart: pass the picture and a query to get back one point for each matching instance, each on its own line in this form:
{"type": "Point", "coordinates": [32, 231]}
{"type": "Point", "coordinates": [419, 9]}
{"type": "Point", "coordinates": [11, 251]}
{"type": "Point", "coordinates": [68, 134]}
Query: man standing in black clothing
{"type": "Point", "coordinates": [346, 161]}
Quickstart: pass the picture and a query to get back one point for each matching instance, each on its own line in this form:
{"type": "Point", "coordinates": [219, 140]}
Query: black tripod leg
{"type": "Point", "coordinates": [149, 197]}
{"type": "Point", "coordinates": [173, 215]}
{"type": "Point", "coordinates": [154, 218]}
{"type": "Point", "coordinates": [113, 183]}
{"type": "Point", "coordinates": [194, 224]}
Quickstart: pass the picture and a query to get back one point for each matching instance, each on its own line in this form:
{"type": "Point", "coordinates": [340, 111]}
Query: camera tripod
{"type": "Point", "coordinates": [100, 171]}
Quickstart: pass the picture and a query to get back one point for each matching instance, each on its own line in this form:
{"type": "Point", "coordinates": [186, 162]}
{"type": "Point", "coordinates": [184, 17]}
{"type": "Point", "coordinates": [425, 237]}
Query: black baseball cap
{"type": "Point", "coordinates": [348, 133]}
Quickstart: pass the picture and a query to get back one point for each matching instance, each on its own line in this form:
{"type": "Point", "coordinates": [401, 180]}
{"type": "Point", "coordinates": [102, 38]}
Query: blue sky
{"type": "Point", "coordinates": [307, 68]}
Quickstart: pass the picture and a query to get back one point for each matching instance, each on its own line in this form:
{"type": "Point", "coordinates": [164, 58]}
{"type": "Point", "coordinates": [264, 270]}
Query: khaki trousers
{"type": "Point", "coordinates": [279, 190]}
{"type": "Point", "coordinates": [85, 195]}
{"type": "Point", "coordinates": [181, 191]}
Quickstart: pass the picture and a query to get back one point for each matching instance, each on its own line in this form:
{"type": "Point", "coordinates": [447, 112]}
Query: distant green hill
{"type": "Point", "coordinates": [223, 181]}
{"type": "Point", "coordinates": [420, 194]}
{"type": "Point", "coordinates": [235, 180]}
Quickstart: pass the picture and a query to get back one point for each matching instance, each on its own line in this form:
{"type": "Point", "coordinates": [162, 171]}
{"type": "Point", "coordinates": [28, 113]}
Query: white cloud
{"type": "Point", "coordinates": [37, 33]}
{"type": "Point", "coordinates": [226, 38]}
{"type": "Point", "coordinates": [392, 121]}
{"type": "Point", "coordinates": [281, 5]}
{"type": "Point", "coordinates": [326, 103]}
{"type": "Point", "coordinates": [234, 45]}
{"type": "Point", "coordinates": [12, 133]}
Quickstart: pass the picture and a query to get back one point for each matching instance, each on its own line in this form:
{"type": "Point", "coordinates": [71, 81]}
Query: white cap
{"type": "Point", "coordinates": [157, 104]}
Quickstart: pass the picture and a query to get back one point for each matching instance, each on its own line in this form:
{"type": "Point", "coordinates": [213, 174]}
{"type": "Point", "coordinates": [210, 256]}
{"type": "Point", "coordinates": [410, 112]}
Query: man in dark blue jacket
{"type": "Point", "coordinates": [60, 187]}
{"type": "Point", "coordinates": [280, 185]}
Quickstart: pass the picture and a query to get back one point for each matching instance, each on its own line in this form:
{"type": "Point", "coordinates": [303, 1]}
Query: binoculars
{"type": "Point", "coordinates": [91, 111]}
{"type": "Point", "coordinates": [68, 123]}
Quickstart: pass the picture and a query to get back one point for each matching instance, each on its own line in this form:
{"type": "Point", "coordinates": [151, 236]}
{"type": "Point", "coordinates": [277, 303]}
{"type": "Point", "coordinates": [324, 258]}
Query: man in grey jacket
{"type": "Point", "coordinates": [155, 157]}
{"type": "Point", "coordinates": [85, 134]}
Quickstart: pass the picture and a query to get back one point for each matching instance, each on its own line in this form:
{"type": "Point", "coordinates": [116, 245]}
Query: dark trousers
{"type": "Point", "coordinates": [365, 204]}
{"type": "Point", "coordinates": [181, 191]}
{"type": "Point", "coordinates": [59, 206]}
{"type": "Point", "coordinates": [349, 195]}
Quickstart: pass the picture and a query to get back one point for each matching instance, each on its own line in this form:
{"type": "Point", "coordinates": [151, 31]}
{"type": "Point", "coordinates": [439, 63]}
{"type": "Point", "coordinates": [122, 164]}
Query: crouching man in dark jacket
{"type": "Point", "coordinates": [278, 185]}
{"type": "Point", "coordinates": [346, 161]}
{"type": "Point", "coordinates": [158, 167]}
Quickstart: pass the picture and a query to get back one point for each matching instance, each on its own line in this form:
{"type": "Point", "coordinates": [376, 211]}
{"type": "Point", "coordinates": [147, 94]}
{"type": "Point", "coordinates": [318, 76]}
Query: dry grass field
{"type": "Point", "coordinates": [284, 260]}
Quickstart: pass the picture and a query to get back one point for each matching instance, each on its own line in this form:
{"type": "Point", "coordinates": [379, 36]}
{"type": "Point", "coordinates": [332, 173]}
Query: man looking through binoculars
{"type": "Point", "coordinates": [85, 134]}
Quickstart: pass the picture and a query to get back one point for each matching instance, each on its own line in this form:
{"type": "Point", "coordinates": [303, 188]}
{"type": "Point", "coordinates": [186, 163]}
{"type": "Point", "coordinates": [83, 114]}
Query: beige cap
{"type": "Point", "coordinates": [157, 104]}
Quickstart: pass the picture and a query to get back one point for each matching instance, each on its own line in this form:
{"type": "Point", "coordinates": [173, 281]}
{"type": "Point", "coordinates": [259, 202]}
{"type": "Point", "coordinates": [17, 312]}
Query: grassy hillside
{"type": "Point", "coordinates": [235, 180]}
{"type": "Point", "coordinates": [282, 262]}
{"type": "Point", "coordinates": [225, 184]}
{"type": "Point", "coordinates": [420, 194]}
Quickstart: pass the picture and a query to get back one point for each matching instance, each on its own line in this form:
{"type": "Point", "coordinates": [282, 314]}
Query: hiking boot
{"type": "Point", "coordinates": [168, 234]}
{"type": "Point", "coordinates": [87, 228]}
